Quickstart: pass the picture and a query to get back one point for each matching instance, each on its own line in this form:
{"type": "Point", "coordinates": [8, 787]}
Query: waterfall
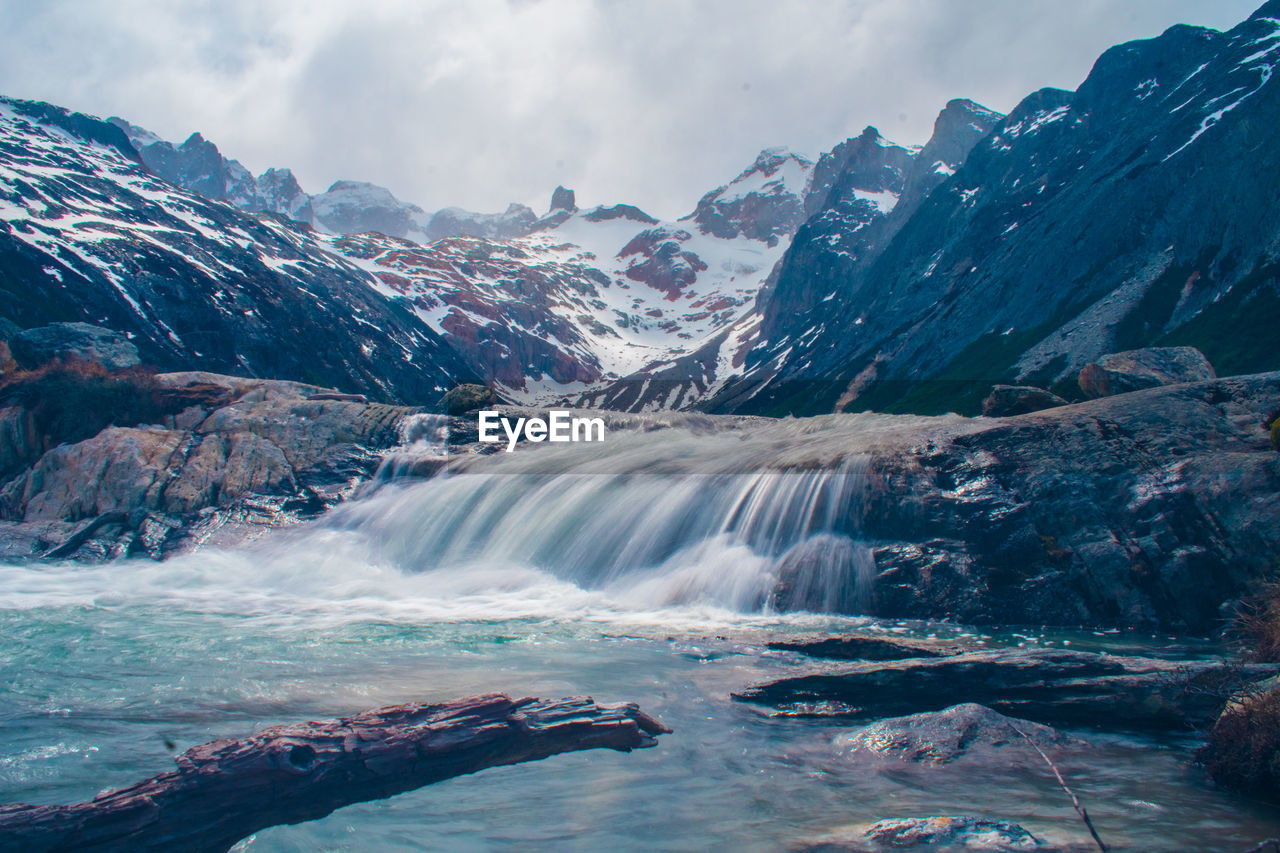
{"type": "Point", "coordinates": [423, 448]}
{"type": "Point", "coordinates": [661, 518]}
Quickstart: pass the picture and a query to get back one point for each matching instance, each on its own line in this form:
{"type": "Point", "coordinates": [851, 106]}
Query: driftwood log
{"type": "Point", "coordinates": [228, 789]}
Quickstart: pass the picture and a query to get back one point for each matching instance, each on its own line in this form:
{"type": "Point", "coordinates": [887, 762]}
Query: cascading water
{"type": "Point", "coordinates": [709, 530]}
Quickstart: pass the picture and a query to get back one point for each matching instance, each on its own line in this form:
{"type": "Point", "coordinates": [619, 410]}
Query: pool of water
{"type": "Point", "coordinates": [107, 672]}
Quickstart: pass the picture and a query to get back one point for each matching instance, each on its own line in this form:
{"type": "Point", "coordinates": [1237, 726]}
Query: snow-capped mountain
{"type": "Point", "coordinates": [88, 234]}
{"type": "Point", "coordinates": [1141, 209]}
{"type": "Point", "coordinates": [765, 202]}
{"type": "Point", "coordinates": [856, 196]}
{"type": "Point", "coordinates": [347, 207]}
{"type": "Point", "coordinates": [590, 297]}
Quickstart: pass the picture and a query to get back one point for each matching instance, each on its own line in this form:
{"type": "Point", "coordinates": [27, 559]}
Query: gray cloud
{"type": "Point", "coordinates": [485, 102]}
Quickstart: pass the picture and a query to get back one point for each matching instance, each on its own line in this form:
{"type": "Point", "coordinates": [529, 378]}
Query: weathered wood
{"type": "Point", "coordinates": [228, 789]}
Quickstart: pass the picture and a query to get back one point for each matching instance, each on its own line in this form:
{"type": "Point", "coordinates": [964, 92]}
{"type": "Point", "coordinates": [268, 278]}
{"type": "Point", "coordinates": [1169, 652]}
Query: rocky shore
{"type": "Point", "coordinates": [236, 457]}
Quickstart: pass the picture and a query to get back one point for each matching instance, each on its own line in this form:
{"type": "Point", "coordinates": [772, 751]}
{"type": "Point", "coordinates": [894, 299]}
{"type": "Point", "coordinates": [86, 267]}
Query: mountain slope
{"type": "Point", "coordinates": [1141, 209]}
{"type": "Point", "coordinates": [591, 296]}
{"type": "Point", "coordinates": [87, 234]}
{"type": "Point", "coordinates": [859, 195]}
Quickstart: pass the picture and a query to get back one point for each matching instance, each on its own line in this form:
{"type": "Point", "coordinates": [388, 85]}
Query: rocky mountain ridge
{"type": "Point", "coordinates": [1139, 210]}
{"type": "Point", "coordinates": [88, 234]}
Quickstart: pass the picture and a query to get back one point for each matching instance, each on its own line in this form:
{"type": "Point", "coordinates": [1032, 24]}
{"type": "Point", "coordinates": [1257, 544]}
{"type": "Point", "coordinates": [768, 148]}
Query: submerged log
{"type": "Point", "coordinates": [228, 789]}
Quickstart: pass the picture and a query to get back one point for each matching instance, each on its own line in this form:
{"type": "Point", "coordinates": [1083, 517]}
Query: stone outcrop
{"type": "Point", "coordinates": [260, 453]}
{"type": "Point", "coordinates": [73, 342]}
{"type": "Point", "coordinates": [864, 647]}
{"type": "Point", "coordinates": [1048, 686]}
{"type": "Point", "coordinates": [1006, 400]}
{"type": "Point", "coordinates": [563, 199]}
{"type": "Point", "coordinates": [1134, 370]}
{"type": "Point", "coordinates": [1151, 508]}
{"type": "Point", "coordinates": [466, 398]}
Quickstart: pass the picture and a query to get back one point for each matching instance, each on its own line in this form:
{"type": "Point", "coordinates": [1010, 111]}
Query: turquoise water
{"type": "Point", "coordinates": [107, 672]}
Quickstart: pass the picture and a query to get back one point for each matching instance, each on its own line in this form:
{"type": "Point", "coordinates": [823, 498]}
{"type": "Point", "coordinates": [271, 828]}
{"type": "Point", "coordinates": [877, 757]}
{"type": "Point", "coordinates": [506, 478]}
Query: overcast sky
{"type": "Point", "coordinates": [483, 102]}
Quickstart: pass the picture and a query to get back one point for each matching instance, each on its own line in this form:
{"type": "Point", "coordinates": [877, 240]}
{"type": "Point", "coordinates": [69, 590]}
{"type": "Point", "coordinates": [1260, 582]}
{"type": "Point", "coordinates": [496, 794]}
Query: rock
{"type": "Point", "coordinates": [334, 395]}
{"type": "Point", "coordinates": [19, 443]}
{"type": "Point", "coordinates": [1137, 369]}
{"type": "Point", "coordinates": [825, 573]}
{"type": "Point", "coordinates": [1243, 747]}
{"type": "Point", "coordinates": [73, 342]}
{"type": "Point", "coordinates": [1006, 400]}
{"type": "Point", "coordinates": [940, 737]}
{"type": "Point", "coordinates": [516, 221]}
{"type": "Point", "coordinates": [1143, 510]}
{"type": "Point", "coordinates": [245, 453]}
{"type": "Point", "coordinates": [563, 199]}
{"type": "Point", "coordinates": [465, 398]}
{"type": "Point", "coordinates": [116, 470]}
{"type": "Point", "coordinates": [951, 833]}
{"type": "Point", "coordinates": [863, 647]}
{"type": "Point", "coordinates": [1051, 686]}
{"type": "Point", "coordinates": [619, 211]}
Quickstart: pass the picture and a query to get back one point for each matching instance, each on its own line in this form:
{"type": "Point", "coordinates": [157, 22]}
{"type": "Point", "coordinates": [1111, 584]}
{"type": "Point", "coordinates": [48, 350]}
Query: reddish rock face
{"type": "Point", "coordinates": [661, 262]}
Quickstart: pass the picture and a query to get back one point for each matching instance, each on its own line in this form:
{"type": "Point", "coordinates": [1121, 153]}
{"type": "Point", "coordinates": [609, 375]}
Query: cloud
{"type": "Point", "coordinates": [490, 101]}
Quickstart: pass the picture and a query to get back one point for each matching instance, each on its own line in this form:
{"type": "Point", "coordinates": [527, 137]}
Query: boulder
{"type": "Point", "coordinates": [940, 737]}
{"type": "Point", "coordinates": [1243, 748]}
{"type": "Point", "coordinates": [1133, 370]}
{"type": "Point", "coordinates": [73, 342]}
{"type": "Point", "coordinates": [950, 833]}
{"type": "Point", "coordinates": [1006, 400]}
{"type": "Point", "coordinates": [465, 398]}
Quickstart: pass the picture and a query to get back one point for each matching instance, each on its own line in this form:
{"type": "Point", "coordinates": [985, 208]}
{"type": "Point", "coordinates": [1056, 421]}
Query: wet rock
{"type": "Point", "coordinates": [1006, 400]}
{"type": "Point", "coordinates": [1134, 370]}
{"type": "Point", "coordinates": [1154, 509]}
{"type": "Point", "coordinates": [940, 737]}
{"type": "Point", "coordinates": [951, 833]}
{"type": "Point", "coordinates": [1051, 686]}
{"type": "Point", "coordinates": [863, 647]}
{"type": "Point", "coordinates": [73, 341]}
{"type": "Point", "coordinates": [824, 574]}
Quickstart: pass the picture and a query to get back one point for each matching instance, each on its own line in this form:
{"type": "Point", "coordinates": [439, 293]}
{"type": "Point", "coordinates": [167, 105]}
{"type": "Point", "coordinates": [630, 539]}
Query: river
{"type": "Point", "coordinates": [650, 574]}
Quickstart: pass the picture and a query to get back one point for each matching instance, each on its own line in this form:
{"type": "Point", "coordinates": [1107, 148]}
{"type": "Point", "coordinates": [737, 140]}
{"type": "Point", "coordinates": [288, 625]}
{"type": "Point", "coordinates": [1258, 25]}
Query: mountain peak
{"type": "Point", "coordinates": [1270, 9]}
{"type": "Point", "coordinates": [563, 199]}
